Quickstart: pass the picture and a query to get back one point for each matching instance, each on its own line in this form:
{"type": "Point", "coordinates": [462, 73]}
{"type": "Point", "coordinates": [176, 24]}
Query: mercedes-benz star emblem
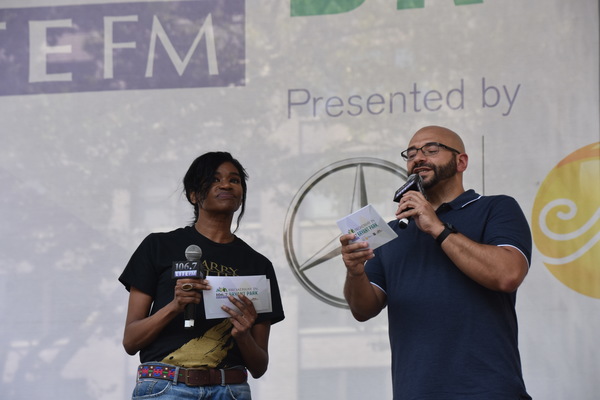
{"type": "Point", "coordinates": [311, 235]}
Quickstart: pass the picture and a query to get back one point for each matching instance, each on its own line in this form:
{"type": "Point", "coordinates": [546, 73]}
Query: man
{"type": "Point", "coordinates": [449, 281]}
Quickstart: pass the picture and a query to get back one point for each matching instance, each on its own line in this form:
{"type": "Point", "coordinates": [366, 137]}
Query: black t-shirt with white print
{"type": "Point", "coordinates": [209, 344]}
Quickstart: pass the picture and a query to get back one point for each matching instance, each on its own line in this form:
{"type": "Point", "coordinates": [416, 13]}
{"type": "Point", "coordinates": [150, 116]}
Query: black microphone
{"type": "Point", "coordinates": [413, 182]}
{"type": "Point", "coordinates": [189, 269]}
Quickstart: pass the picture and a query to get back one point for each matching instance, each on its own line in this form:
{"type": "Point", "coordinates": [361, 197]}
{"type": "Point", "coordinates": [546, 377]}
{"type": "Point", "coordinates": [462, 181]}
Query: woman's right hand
{"type": "Point", "coordinates": [189, 291]}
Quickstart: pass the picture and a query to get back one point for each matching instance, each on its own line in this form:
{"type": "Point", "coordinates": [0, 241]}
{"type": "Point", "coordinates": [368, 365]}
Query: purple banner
{"type": "Point", "coordinates": [125, 46]}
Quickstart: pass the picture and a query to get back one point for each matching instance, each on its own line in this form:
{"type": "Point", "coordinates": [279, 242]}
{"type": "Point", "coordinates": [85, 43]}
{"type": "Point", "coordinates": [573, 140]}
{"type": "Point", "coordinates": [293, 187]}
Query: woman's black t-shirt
{"type": "Point", "coordinates": [209, 344]}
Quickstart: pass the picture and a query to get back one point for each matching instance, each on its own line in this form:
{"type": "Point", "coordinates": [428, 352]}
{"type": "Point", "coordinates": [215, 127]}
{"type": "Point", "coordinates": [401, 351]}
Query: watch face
{"type": "Point", "coordinates": [311, 234]}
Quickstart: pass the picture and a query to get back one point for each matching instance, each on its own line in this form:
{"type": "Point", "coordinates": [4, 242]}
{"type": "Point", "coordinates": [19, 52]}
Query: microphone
{"type": "Point", "coordinates": [193, 253]}
{"type": "Point", "coordinates": [189, 269]}
{"type": "Point", "coordinates": [413, 182]}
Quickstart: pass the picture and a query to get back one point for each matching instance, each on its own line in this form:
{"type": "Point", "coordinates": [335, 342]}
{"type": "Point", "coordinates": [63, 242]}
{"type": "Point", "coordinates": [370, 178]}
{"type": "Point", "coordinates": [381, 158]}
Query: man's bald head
{"type": "Point", "coordinates": [439, 134]}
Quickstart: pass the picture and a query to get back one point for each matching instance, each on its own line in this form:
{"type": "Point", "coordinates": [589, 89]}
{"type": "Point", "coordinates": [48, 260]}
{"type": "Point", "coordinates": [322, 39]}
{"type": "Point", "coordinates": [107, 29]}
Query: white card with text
{"type": "Point", "coordinates": [368, 226]}
{"type": "Point", "coordinates": [256, 287]}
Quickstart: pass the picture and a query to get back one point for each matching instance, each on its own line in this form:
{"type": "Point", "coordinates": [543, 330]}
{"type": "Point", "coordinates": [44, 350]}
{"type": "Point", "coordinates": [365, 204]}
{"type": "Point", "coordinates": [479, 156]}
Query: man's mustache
{"type": "Point", "coordinates": [424, 164]}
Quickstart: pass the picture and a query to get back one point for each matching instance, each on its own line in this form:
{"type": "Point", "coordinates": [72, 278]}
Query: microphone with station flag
{"type": "Point", "coordinates": [191, 268]}
{"type": "Point", "coordinates": [413, 182]}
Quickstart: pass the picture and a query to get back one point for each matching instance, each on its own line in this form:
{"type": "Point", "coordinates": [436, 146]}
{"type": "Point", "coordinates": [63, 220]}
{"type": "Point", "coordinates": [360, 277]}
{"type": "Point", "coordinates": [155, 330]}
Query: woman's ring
{"type": "Point", "coordinates": [186, 287]}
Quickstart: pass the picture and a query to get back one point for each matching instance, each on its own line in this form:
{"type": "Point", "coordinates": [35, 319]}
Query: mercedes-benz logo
{"type": "Point", "coordinates": [311, 235]}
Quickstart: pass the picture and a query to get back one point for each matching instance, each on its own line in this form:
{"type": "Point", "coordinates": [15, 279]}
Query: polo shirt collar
{"type": "Point", "coordinates": [461, 201]}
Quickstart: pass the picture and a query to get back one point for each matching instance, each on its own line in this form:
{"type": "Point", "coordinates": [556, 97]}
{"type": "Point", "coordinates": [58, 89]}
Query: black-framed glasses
{"type": "Point", "coordinates": [428, 149]}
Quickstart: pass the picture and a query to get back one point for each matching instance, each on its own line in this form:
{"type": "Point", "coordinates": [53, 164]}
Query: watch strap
{"type": "Point", "coordinates": [448, 229]}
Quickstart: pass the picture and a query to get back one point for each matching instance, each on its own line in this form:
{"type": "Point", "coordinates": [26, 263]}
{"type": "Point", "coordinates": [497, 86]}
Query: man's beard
{"type": "Point", "coordinates": [440, 172]}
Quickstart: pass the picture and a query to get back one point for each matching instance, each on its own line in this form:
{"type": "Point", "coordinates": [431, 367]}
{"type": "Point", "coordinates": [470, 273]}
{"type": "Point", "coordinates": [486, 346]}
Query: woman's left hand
{"type": "Point", "coordinates": [243, 318]}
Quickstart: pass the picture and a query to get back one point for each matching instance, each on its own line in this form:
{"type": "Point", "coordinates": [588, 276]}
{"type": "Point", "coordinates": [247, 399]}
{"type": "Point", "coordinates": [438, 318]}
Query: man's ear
{"type": "Point", "coordinates": [463, 162]}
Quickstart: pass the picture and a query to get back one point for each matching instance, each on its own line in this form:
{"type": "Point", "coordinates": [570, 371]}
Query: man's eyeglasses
{"type": "Point", "coordinates": [429, 149]}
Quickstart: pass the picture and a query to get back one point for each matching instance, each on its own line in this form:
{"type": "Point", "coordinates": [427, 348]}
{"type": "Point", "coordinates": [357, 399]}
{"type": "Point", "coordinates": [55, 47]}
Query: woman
{"type": "Point", "coordinates": [210, 360]}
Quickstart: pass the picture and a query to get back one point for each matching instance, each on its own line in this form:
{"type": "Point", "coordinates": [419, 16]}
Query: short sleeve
{"type": "Point", "coordinates": [140, 271]}
{"type": "Point", "coordinates": [507, 226]}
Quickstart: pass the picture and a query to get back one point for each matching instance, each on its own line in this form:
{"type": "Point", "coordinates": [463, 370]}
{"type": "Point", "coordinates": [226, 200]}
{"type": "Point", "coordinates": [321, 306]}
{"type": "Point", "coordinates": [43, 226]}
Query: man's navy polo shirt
{"type": "Point", "coordinates": [452, 338]}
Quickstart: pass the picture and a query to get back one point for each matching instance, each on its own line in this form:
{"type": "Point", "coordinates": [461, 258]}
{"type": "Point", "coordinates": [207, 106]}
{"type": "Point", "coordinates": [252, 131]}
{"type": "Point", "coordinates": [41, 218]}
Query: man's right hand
{"type": "Point", "coordinates": [355, 254]}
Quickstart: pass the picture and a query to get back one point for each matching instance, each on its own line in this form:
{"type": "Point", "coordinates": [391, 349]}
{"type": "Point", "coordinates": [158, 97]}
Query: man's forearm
{"type": "Point", "coordinates": [362, 297]}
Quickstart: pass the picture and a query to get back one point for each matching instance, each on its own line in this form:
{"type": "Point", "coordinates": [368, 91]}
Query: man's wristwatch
{"type": "Point", "coordinates": [448, 229]}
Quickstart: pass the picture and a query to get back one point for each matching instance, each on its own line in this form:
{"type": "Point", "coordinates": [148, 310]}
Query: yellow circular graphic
{"type": "Point", "coordinates": [566, 220]}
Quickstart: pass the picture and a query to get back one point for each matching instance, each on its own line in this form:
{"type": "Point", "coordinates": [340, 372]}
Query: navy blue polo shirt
{"type": "Point", "coordinates": [451, 338]}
